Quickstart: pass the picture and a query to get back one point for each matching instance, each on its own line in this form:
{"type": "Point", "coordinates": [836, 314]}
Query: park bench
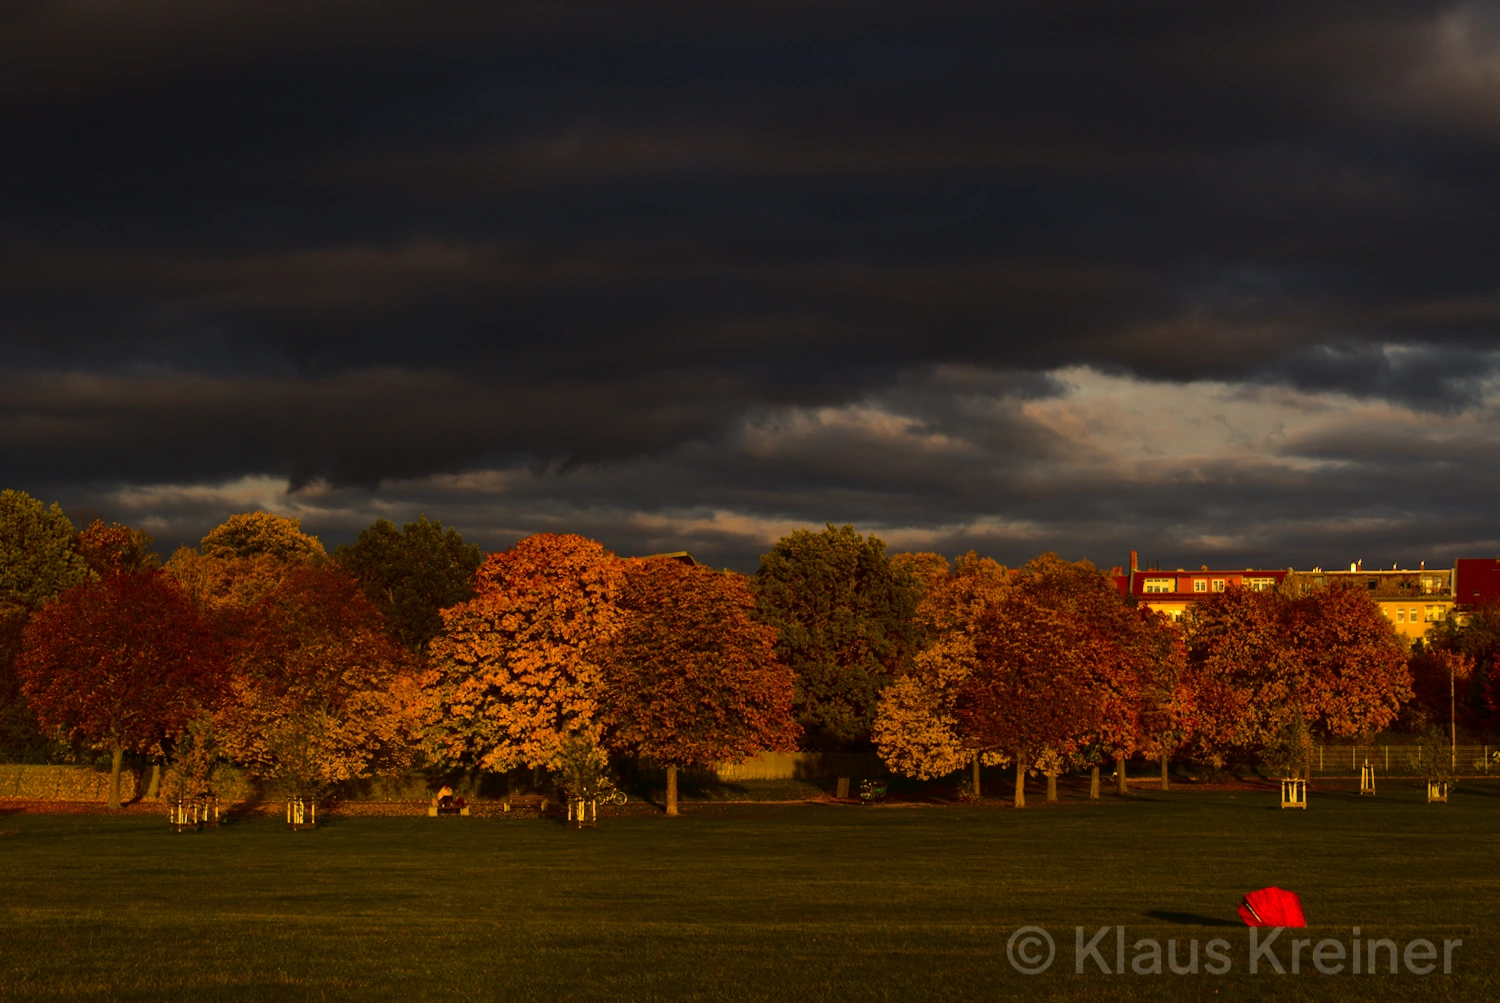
{"type": "Point", "coordinates": [433, 811]}
{"type": "Point", "coordinates": [530, 802]}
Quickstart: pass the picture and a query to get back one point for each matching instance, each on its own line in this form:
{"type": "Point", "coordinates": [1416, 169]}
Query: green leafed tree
{"type": "Point", "coordinates": [37, 557]}
{"type": "Point", "coordinates": [412, 574]}
{"type": "Point", "coordinates": [37, 562]}
{"type": "Point", "coordinates": [843, 614]}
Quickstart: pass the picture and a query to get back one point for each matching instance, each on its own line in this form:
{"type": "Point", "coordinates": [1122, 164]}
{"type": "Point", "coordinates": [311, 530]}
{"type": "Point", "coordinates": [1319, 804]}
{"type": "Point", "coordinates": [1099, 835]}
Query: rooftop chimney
{"type": "Point", "coordinates": [1134, 561]}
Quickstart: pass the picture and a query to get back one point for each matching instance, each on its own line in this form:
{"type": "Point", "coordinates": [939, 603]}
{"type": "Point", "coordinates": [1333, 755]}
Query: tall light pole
{"type": "Point", "coordinates": [1452, 716]}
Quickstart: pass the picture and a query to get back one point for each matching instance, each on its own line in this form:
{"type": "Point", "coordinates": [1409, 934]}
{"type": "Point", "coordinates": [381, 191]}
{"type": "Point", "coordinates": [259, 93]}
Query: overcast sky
{"type": "Point", "coordinates": [1220, 283]}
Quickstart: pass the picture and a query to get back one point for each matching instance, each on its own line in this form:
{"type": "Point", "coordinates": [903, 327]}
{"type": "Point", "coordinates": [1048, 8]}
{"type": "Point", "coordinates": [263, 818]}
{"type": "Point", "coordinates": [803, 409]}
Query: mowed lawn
{"type": "Point", "coordinates": [747, 902]}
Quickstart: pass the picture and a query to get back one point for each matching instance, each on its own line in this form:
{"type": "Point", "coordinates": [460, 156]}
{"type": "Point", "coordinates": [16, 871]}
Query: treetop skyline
{"type": "Point", "coordinates": [1215, 284]}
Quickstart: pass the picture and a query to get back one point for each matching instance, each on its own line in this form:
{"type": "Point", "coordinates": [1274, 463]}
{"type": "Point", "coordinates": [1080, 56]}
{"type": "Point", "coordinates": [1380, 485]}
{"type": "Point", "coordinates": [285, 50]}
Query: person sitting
{"type": "Point", "coordinates": [444, 798]}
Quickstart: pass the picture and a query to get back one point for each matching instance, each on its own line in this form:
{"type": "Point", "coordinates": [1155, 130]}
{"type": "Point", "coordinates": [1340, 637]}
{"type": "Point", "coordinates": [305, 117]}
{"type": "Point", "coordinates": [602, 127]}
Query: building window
{"type": "Point", "coordinates": [1200, 584]}
{"type": "Point", "coordinates": [1372, 584]}
{"type": "Point", "coordinates": [1434, 614]}
{"type": "Point", "coordinates": [1400, 615]}
{"type": "Point", "coordinates": [1413, 614]}
{"type": "Point", "coordinates": [1160, 585]}
{"type": "Point", "coordinates": [1218, 585]}
{"type": "Point", "coordinates": [1262, 584]}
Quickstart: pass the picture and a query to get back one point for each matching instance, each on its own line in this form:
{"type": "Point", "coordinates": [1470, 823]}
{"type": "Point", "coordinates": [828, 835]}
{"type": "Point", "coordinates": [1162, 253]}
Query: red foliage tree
{"type": "Point", "coordinates": [1067, 671]}
{"type": "Point", "coordinates": [1459, 655]}
{"type": "Point", "coordinates": [1035, 688]}
{"type": "Point", "coordinates": [1355, 666]}
{"type": "Point", "coordinates": [1262, 660]}
{"type": "Point", "coordinates": [1136, 663]}
{"type": "Point", "coordinates": [1165, 700]}
{"type": "Point", "coordinates": [690, 676]}
{"type": "Point", "coordinates": [123, 662]}
{"type": "Point", "coordinates": [1244, 671]}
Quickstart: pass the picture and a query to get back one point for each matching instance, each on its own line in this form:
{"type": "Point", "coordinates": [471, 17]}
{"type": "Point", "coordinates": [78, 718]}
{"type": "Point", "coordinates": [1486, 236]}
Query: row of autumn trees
{"type": "Point", "coordinates": [412, 648]}
{"type": "Point", "coordinates": [260, 650]}
{"type": "Point", "coordinates": [1050, 668]}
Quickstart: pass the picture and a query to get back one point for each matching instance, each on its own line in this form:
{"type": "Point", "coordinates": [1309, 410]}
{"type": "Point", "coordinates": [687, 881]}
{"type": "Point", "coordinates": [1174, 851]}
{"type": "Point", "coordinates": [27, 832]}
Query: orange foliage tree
{"type": "Point", "coordinates": [917, 731]}
{"type": "Point", "coordinates": [122, 662]}
{"type": "Point", "coordinates": [515, 669]}
{"type": "Point", "coordinates": [255, 534]}
{"type": "Point", "coordinates": [321, 693]}
{"type": "Point", "coordinates": [108, 547]}
{"type": "Point", "coordinates": [690, 676]}
{"type": "Point", "coordinates": [243, 559]}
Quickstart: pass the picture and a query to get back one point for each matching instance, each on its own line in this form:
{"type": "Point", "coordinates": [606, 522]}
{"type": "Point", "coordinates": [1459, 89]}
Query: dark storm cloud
{"type": "Point", "coordinates": [689, 257]}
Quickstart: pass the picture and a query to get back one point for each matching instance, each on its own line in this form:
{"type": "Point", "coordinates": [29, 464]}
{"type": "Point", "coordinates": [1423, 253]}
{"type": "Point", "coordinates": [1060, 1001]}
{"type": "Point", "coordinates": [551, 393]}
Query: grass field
{"type": "Point", "coordinates": [740, 902]}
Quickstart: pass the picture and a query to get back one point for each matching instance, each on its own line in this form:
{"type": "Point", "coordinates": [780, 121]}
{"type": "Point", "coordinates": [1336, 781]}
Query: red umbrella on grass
{"type": "Point", "coordinates": [1272, 907]}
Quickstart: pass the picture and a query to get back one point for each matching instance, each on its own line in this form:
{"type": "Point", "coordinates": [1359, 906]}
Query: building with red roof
{"type": "Point", "coordinates": [1174, 591]}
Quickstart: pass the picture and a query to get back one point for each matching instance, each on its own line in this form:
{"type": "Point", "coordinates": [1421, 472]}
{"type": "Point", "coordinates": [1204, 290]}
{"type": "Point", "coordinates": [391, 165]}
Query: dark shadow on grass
{"type": "Point", "coordinates": [1189, 918]}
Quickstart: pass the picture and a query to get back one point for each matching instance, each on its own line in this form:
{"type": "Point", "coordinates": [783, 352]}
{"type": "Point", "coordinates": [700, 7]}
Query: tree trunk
{"type": "Point", "coordinates": [154, 787]}
{"type": "Point", "coordinates": [1020, 781]}
{"type": "Point", "coordinates": [977, 793]}
{"type": "Point", "coordinates": [1164, 762]}
{"type": "Point", "coordinates": [1120, 786]}
{"type": "Point", "coordinates": [1094, 785]}
{"type": "Point", "coordinates": [671, 790]}
{"type": "Point", "coordinates": [114, 777]}
{"type": "Point", "coordinates": [1052, 787]}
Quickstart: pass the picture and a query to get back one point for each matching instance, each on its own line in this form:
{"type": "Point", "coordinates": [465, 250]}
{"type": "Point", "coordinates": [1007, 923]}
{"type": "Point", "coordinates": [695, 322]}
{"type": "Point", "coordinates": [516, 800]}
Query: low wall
{"type": "Point", "coordinates": [61, 783]}
{"type": "Point", "coordinates": [794, 766]}
{"type": "Point", "coordinates": [82, 783]}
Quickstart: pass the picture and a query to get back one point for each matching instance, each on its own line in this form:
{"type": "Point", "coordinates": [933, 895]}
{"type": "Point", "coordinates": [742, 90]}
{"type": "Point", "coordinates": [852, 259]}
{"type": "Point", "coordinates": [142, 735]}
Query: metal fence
{"type": "Point", "coordinates": [1401, 760]}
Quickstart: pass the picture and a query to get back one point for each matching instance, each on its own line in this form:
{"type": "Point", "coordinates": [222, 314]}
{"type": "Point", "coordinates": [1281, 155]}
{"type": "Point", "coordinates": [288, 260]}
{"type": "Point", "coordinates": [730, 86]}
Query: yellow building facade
{"type": "Point", "coordinates": [1413, 600]}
